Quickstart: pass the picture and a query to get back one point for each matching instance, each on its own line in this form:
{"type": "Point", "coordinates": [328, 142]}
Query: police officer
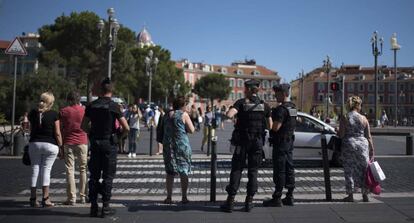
{"type": "Point", "coordinates": [248, 139]}
{"type": "Point", "coordinates": [99, 122]}
{"type": "Point", "coordinates": [282, 137]}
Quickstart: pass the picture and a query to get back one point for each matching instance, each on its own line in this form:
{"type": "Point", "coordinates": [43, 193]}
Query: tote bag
{"type": "Point", "coordinates": [377, 171]}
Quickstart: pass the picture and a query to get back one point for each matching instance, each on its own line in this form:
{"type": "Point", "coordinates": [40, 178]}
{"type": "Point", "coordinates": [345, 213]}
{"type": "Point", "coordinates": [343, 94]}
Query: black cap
{"type": "Point", "coordinates": [282, 87]}
{"type": "Point", "coordinates": [106, 81]}
{"type": "Point", "coordinates": [252, 83]}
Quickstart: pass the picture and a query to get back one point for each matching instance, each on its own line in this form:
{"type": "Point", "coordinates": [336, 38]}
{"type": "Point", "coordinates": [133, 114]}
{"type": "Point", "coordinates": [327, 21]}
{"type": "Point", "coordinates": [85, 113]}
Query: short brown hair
{"type": "Point", "coordinates": [73, 97]}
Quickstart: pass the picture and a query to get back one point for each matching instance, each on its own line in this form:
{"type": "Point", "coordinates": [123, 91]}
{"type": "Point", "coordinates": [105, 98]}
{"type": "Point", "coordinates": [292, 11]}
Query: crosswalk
{"type": "Point", "coordinates": [142, 176]}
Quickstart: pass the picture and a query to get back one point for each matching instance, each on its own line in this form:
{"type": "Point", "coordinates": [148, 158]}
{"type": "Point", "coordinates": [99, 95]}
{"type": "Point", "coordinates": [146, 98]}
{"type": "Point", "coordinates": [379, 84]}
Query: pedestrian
{"type": "Point", "coordinates": [133, 122]}
{"type": "Point", "coordinates": [121, 137]}
{"type": "Point", "coordinates": [208, 124]}
{"type": "Point", "coordinates": [159, 131]}
{"type": "Point", "coordinates": [99, 123]}
{"type": "Point", "coordinates": [194, 117]}
{"type": "Point", "coordinates": [384, 119]}
{"type": "Point", "coordinates": [177, 150]}
{"type": "Point", "coordinates": [148, 116]}
{"type": "Point", "coordinates": [24, 123]}
{"type": "Point", "coordinates": [156, 116]}
{"type": "Point", "coordinates": [217, 115]}
{"type": "Point", "coordinates": [252, 116]}
{"type": "Point", "coordinates": [223, 118]}
{"type": "Point", "coordinates": [45, 141]}
{"type": "Point", "coordinates": [75, 144]}
{"type": "Point", "coordinates": [357, 148]}
{"type": "Point", "coordinates": [282, 138]}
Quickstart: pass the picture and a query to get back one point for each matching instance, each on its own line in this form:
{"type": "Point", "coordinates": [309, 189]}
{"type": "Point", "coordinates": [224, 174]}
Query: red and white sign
{"type": "Point", "coordinates": [16, 48]}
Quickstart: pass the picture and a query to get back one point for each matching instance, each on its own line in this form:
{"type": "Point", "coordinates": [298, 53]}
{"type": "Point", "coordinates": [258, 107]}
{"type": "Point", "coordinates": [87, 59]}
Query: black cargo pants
{"type": "Point", "coordinates": [283, 171]}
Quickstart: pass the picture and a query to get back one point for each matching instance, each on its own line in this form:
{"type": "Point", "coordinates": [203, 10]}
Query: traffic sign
{"type": "Point", "coordinates": [16, 48]}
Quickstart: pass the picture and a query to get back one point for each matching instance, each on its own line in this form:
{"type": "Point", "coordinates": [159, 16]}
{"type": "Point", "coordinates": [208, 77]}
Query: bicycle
{"type": "Point", "coordinates": [6, 137]}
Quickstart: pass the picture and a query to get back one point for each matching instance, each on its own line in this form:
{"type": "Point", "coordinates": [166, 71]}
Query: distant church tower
{"type": "Point", "coordinates": [144, 38]}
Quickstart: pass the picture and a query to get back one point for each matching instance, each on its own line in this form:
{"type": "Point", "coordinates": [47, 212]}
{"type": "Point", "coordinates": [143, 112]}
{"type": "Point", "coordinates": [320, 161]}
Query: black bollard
{"type": "Point", "coordinates": [213, 169]}
{"type": "Point", "coordinates": [208, 141]}
{"type": "Point", "coordinates": [326, 173]}
{"type": "Point", "coordinates": [150, 145]}
{"type": "Point", "coordinates": [409, 145]}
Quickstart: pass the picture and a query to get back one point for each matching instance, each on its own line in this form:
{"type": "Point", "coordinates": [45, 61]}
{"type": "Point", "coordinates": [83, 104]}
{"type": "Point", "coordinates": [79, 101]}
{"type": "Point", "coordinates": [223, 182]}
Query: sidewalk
{"type": "Point", "coordinates": [150, 209]}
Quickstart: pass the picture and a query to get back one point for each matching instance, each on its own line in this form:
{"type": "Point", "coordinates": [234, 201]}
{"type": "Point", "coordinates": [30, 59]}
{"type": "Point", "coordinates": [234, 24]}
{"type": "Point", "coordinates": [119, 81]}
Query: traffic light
{"type": "Point", "coordinates": [334, 86]}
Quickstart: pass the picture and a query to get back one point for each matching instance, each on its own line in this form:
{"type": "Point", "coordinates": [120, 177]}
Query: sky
{"type": "Point", "coordinates": [285, 36]}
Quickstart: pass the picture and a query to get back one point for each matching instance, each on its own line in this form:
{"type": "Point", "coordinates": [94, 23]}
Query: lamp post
{"type": "Point", "coordinates": [327, 65]}
{"type": "Point", "coordinates": [112, 35]}
{"type": "Point", "coordinates": [376, 52]}
{"type": "Point", "coordinates": [302, 76]}
{"type": "Point", "coordinates": [176, 88]}
{"type": "Point", "coordinates": [395, 47]}
{"type": "Point", "coordinates": [151, 63]}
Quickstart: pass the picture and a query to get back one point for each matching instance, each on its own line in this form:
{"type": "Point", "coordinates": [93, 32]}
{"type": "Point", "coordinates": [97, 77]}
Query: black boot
{"type": "Point", "coordinates": [107, 210]}
{"type": "Point", "coordinates": [288, 200]}
{"type": "Point", "coordinates": [248, 203]}
{"type": "Point", "coordinates": [276, 201]}
{"type": "Point", "coordinates": [94, 209]}
{"type": "Point", "coordinates": [228, 205]}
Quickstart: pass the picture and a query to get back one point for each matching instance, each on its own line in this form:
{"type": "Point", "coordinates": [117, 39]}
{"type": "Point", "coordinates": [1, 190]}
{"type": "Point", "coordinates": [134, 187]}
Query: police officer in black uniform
{"type": "Point", "coordinates": [282, 138]}
{"type": "Point", "coordinates": [248, 139]}
{"type": "Point", "coordinates": [99, 122]}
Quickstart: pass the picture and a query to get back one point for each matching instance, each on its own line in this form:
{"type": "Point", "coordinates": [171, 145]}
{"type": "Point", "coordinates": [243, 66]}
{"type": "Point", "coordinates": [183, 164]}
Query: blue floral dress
{"type": "Point", "coordinates": [177, 149]}
{"type": "Point", "coordinates": [355, 152]}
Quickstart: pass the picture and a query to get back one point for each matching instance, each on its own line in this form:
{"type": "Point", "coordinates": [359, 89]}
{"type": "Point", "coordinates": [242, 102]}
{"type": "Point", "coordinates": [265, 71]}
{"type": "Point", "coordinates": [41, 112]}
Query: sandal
{"type": "Point", "coordinates": [34, 203]}
{"type": "Point", "coordinates": [168, 200]}
{"type": "Point", "coordinates": [46, 203]}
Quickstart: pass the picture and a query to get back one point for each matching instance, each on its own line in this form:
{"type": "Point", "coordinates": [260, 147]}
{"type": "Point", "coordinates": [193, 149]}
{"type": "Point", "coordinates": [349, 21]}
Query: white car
{"type": "Point", "coordinates": [307, 145]}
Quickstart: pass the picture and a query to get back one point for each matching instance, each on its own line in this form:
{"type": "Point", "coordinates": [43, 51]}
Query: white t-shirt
{"type": "Point", "coordinates": [156, 116]}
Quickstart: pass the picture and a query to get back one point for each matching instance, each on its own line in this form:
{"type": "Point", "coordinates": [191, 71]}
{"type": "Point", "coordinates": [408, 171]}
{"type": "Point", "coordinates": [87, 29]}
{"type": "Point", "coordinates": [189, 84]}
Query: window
{"type": "Point", "coordinates": [401, 88]}
{"type": "Point", "coordinates": [412, 87]}
{"type": "Point", "coordinates": [381, 99]}
{"type": "Point", "coordinates": [239, 71]}
{"type": "Point", "coordinates": [191, 78]}
{"type": "Point", "coordinates": [391, 87]}
{"type": "Point", "coordinates": [370, 87]}
{"type": "Point", "coordinates": [240, 83]}
{"type": "Point", "coordinates": [239, 95]}
{"type": "Point", "coordinates": [411, 99]}
{"type": "Point", "coordinates": [381, 87]}
{"type": "Point", "coordinates": [273, 83]}
{"type": "Point", "coordinates": [350, 87]}
{"type": "Point", "coordinates": [320, 97]}
{"type": "Point", "coordinates": [304, 124]}
{"type": "Point", "coordinates": [265, 84]}
{"type": "Point", "coordinates": [231, 82]}
{"type": "Point", "coordinates": [321, 86]}
{"type": "Point", "coordinates": [371, 99]}
{"type": "Point", "coordinates": [390, 99]}
{"type": "Point", "coordinates": [256, 72]}
{"type": "Point", "coordinates": [223, 70]}
{"type": "Point", "coordinates": [231, 97]}
{"type": "Point", "coordinates": [361, 87]}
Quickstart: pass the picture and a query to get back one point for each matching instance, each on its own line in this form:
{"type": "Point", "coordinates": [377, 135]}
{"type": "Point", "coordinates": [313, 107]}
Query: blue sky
{"type": "Point", "coordinates": [286, 36]}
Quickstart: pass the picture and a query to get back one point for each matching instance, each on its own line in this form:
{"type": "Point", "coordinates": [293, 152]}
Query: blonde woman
{"type": "Point", "coordinates": [357, 148]}
{"type": "Point", "coordinates": [45, 140]}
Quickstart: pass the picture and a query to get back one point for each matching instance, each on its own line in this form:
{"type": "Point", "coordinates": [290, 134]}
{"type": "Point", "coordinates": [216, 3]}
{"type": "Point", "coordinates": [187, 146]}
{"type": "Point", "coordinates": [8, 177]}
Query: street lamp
{"type": "Point", "coordinates": [112, 36]}
{"type": "Point", "coordinates": [151, 63]}
{"type": "Point", "coordinates": [302, 76]}
{"type": "Point", "coordinates": [376, 52]}
{"type": "Point", "coordinates": [327, 65]}
{"type": "Point", "coordinates": [395, 47]}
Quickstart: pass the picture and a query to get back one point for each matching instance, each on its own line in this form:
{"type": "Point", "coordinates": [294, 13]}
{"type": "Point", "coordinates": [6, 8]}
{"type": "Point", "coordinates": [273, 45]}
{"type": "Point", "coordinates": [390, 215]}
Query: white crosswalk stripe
{"type": "Point", "coordinates": [147, 177]}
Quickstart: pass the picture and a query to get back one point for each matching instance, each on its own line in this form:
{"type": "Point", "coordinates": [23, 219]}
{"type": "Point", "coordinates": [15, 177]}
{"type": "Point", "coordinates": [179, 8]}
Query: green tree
{"type": "Point", "coordinates": [213, 86]}
{"type": "Point", "coordinates": [74, 43]}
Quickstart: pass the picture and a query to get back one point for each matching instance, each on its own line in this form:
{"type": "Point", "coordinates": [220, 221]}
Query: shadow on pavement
{"type": "Point", "coordinates": [147, 205]}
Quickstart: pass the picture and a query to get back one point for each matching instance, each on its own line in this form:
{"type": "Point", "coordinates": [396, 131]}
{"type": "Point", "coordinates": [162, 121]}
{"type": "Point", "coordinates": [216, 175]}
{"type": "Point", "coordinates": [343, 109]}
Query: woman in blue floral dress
{"type": "Point", "coordinates": [357, 148]}
{"type": "Point", "coordinates": [177, 150]}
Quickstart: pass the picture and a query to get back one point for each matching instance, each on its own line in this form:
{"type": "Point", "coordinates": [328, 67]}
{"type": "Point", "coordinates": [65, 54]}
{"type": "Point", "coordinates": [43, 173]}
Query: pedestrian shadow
{"type": "Point", "coordinates": [150, 205]}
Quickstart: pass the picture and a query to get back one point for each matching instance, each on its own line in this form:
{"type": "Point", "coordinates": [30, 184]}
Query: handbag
{"type": "Point", "coordinates": [373, 186]}
{"type": "Point", "coordinates": [377, 171]}
{"type": "Point", "coordinates": [26, 157]}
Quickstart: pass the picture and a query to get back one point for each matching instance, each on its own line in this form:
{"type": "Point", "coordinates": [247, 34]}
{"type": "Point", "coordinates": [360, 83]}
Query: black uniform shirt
{"type": "Point", "coordinates": [279, 114]}
{"type": "Point", "coordinates": [102, 113]}
{"type": "Point", "coordinates": [238, 105]}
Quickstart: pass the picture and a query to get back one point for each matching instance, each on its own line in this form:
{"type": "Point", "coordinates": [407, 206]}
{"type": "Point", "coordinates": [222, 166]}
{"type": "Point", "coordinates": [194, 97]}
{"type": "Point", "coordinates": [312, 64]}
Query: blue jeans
{"type": "Point", "coordinates": [132, 138]}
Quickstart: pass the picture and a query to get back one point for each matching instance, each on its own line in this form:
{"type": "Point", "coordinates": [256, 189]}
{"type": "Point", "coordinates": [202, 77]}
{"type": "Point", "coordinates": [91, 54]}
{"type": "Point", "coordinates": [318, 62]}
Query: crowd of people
{"type": "Point", "coordinates": [104, 126]}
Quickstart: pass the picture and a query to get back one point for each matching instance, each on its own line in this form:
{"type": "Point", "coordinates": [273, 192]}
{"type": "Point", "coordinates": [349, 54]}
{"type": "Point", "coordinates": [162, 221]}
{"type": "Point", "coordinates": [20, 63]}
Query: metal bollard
{"type": "Point", "coordinates": [213, 169]}
{"type": "Point", "coordinates": [151, 135]}
{"type": "Point", "coordinates": [209, 140]}
{"type": "Point", "coordinates": [326, 173]}
{"type": "Point", "coordinates": [409, 145]}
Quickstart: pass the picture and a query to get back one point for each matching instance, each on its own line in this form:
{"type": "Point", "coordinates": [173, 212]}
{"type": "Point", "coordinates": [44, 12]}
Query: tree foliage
{"type": "Point", "coordinates": [213, 86]}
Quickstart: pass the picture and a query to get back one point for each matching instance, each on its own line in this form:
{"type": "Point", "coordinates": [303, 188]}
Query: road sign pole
{"type": "Point", "coordinates": [14, 104]}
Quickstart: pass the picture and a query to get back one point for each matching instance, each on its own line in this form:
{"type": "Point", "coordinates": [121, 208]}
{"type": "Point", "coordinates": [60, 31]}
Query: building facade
{"type": "Point", "coordinates": [310, 91]}
{"type": "Point", "coordinates": [237, 73]}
